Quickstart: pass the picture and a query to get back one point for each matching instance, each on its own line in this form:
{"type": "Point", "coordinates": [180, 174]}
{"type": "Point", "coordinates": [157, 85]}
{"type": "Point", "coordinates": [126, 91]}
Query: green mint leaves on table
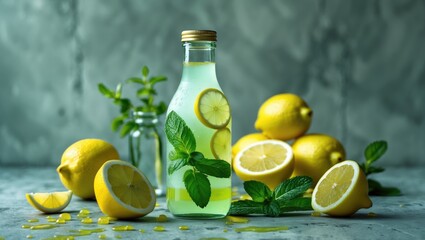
{"type": "Point", "coordinates": [146, 94]}
{"type": "Point", "coordinates": [372, 153]}
{"type": "Point", "coordinates": [288, 196]}
{"type": "Point", "coordinates": [184, 154]}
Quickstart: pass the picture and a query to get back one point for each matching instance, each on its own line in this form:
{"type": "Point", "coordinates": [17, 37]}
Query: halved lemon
{"type": "Point", "coordinates": [342, 190]}
{"type": "Point", "coordinates": [122, 191]}
{"type": "Point", "coordinates": [267, 161]}
{"type": "Point", "coordinates": [221, 144]}
{"type": "Point", "coordinates": [212, 108]}
{"type": "Point", "coordinates": [51, 202]}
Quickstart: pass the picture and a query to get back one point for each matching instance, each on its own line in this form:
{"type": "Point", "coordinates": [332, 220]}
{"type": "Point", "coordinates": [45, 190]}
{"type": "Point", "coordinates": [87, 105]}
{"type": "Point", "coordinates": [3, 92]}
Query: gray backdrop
{"type": "Point", "coordinates": [360, 64]}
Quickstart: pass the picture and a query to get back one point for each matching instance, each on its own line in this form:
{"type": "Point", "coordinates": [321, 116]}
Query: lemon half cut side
{"type": "Point", "coordinates": [342, 190]}
{"type": "Point", "coordinates": [267, 161]}
{"type": "Point", "coordinates": [50, 202]}
{"type": "Point", "coordinates": [212, 108]}
{"type": "Point", "coordinates": [122, 191]}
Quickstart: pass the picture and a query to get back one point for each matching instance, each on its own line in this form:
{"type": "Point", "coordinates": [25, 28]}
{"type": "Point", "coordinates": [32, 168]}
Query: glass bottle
{"type": "Point", "coordinates": [145, 148]}
{"type": "Point", "coordinates": [199, 76]}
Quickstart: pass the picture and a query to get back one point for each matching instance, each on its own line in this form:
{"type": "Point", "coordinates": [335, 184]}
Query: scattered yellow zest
{"type": "Point", "coordinates": [159, 228]}
{"type": "Point", "coordinates": [183, 227]}
{"type": "Point", "coordinates": [162, 218]}
{"type": "Point", "coordinates": [87, 220]}
{"type": "Point", "coordinates": [123, 228]}
{"type": "Point", "coordinates": [234, 219]}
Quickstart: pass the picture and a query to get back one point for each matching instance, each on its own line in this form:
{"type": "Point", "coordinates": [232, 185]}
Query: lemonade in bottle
{"type": "Point", "coordinates": [198, 129]}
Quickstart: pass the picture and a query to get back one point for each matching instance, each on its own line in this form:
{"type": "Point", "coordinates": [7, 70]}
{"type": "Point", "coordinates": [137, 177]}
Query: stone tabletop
{"type": "Point", "coordinates": [400, 217]}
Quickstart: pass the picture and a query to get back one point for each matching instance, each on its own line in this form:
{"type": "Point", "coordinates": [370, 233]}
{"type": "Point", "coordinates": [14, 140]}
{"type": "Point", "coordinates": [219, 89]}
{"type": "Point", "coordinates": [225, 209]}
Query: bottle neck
{"type": "Point", "coordinates": [199, 51]}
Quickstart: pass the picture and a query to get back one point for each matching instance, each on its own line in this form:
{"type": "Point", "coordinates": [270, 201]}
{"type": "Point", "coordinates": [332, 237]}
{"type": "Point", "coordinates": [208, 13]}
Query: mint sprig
{"type": "Point", "coordinates": [196, 178]}
{"type": "Point", "coordinates": [145, 93]}
{"type": "Point", "coordinates": [287, 196]}
{"type": "Point", "coordinates": [372, 153]}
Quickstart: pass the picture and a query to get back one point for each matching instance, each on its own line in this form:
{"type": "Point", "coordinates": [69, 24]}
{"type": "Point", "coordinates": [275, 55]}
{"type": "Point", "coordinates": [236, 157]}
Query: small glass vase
{"type": "Point", "coordinates": [145, 149]}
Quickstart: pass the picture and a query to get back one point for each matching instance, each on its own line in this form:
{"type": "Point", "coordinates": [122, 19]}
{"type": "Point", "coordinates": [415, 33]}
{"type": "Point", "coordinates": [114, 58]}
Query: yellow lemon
{"type": "Point", "coordinates": [284, 117]}
{"type": "Point", "coordinates": [80, 163]}
{"type": "Point", "coordinates": [212, 108]}
{"type": "Point", "coordinates": [342, 190]}
{"type": "Point", "coordinates": [49, 202]}
{"type": "Point", "coordinates": [315, 153]}
{"type": "Point", "coordinates": [267, 161]}
{"type": "Point", "coordinates": [245, 141]}
{"type": "Point", "coordinates": [122, 191]}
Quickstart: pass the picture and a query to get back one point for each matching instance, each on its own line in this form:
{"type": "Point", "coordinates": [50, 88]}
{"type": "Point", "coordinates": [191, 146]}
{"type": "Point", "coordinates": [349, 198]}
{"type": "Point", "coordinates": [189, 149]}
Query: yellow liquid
{"type": "Point", "coordinates": [196, 77]}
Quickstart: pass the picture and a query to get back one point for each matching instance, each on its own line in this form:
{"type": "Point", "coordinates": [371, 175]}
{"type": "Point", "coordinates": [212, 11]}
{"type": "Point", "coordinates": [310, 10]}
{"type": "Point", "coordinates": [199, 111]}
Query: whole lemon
{"type": "Point", "coordinates": [315, 153]}
{"type": "Point", "coordinates": [284, 117]}
{"type": "Point", "coordinates": [245, 141]}
{"type": "Point", "coordinates": [80, 163]}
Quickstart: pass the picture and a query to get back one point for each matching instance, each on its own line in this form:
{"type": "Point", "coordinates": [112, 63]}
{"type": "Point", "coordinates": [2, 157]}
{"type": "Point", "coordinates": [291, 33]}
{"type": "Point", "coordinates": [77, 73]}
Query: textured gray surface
{"type": "Point", "coordinates": [359, 64]}
{"type": "Point", "coordinates": [396, 217]}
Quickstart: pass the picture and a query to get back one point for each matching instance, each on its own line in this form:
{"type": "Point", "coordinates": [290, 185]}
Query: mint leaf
{"type": "Point", "coordinates": [258, 191]}
{"type": "Point", "coordinates": [145, 71]}
{"type": "Point", "coordinates": [176, 165]}
{"type": "Point", "coordinates": [374, 151]}
{"type": "Point", "coordinates": [117, 122]}
{"type": "Point", "coordinates": [292, 188]}
{"type": "Point", "coordinates": [135, 80]}
{"type": "Point", "coordinates": [157, 79]}
{"type": "Point", "coordinates": [245, 207]}
{"type": "Point", "coordinates": [376, 189]}
{"type": "Point", "coordinates": [179, 134]}
{"type": "Point", "coordinates": [271, 209]}
{"type": "Point", "coordinates": [198, 186]}
{"type": "Point", "coordinates": [126, 129]}
{"type": "Point", "coordinates": [297, 204]}
{"type": "Point", "coordinates": [118, 90]}
{"type": "Point", "coordinates": [173, 155]}
{"type": "Point", "coordinates": [105, 91]}
{"type": "Point", "coordinates": [213, 167]}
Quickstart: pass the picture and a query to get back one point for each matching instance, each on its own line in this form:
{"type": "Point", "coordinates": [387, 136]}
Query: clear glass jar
{"type": "Point", "coordinates": [145, 149]}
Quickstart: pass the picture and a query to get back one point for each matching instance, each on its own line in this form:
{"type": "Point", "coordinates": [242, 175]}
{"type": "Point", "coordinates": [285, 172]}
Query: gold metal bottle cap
{"type": "Point", "coordinates": [199, 35]}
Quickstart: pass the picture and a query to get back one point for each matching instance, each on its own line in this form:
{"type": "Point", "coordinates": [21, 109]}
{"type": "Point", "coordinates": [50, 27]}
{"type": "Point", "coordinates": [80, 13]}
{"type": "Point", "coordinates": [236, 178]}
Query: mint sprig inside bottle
{"type": "Point", "coordinates": [198, 129]}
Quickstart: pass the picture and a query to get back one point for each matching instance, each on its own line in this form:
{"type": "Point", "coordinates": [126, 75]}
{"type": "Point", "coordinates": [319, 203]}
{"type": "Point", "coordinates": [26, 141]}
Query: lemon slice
{"type": "Point", "coordinates": [49, 202]}
{"type": "Point", "coordinates": [122, 191]}
{"type": "Point", "coordinates": [212, 108]}
{"type": "Point", "coordinates": [342, 190]}
{"type": "Point", "coordinates": [267, 161]}
{"type": "Point", "coordinates": [221, 144]}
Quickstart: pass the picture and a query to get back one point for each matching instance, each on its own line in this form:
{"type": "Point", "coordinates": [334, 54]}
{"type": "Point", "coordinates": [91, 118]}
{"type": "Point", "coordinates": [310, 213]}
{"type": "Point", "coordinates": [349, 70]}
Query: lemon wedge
{"type": "Point", "coordinates": [221, 144]}
{"type": "Point", "coordinates": [122, 191]}
{"type": "Point", "coordinates": [212, 108]}
{"type": "Point", "coordinates": [267, 161]}
{"type": "Point", "coordinates": [52, 202]}
{"type": "Point", "coordinates": [342, 190]}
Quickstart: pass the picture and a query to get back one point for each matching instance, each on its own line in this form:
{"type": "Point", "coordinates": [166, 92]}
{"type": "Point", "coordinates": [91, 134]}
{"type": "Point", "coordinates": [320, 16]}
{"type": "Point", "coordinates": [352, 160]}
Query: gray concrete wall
{"type": "Point", "coordinates": [359, 64]}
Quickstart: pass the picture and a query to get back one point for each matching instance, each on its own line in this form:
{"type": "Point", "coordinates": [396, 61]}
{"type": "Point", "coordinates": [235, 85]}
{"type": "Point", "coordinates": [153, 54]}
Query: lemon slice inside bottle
{"type": "Point", "coordinates": [51, 202]}
{"type": "Point", "coordinates": [212, 108]}
{"type": "Point", "coordinates": [221, 144]}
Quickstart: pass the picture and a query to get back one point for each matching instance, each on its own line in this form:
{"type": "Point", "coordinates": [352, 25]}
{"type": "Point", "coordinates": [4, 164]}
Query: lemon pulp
{"type": "Point", "coordinates": [221, 144]}
{"type": "Point", "coordinates": [212, 108]}
{"type": "Point", "coordinates": [49, 202]}
{"type": "Point", "coordinates": [128, 186]}
{"type": "Point", "coordinates": [337, 182]}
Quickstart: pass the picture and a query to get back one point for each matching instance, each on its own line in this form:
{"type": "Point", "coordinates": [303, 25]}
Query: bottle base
{"type": "Point", "coordinates": [199, 216]}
